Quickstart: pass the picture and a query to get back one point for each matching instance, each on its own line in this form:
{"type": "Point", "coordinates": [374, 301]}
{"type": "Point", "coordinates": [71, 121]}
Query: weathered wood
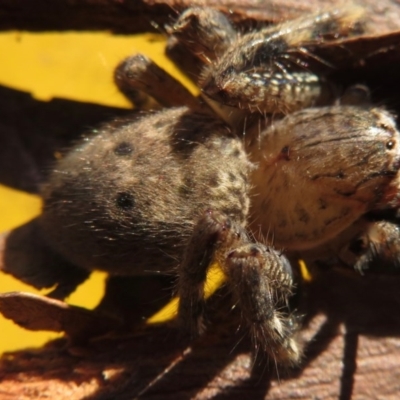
{"type": "Point", "coordinates": [128, 16]}
{"type": "Point", "coordinates": [352, 351]}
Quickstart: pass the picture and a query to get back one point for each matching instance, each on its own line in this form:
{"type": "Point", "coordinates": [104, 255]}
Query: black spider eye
{"type": "Point", "coordinates": [123, 149]}
{"type": "Point", "coordinates": [390, 144]}
{"type": "Point", "coordinates": [125, 201]}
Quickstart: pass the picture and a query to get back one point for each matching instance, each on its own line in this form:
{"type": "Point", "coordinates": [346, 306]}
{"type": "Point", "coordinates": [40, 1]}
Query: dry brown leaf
{"type": "Point", "coordinates": [37, 313]}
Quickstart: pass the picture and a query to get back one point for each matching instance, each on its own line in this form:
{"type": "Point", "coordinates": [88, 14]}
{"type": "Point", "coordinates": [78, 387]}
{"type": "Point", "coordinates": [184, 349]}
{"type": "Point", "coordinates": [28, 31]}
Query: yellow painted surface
{"type": "Point", "coordinates": [77, 66]}
{"type": "Point", "coordinates": [215, 278]}
{"type": "Point", "coordinates": [13, 337]}
{"type": "Point", "coordinates": [17, 208]}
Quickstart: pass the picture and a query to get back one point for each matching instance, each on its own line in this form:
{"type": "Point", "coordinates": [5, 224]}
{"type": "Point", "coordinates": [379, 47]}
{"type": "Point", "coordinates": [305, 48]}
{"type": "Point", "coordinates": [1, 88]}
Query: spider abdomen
{"type": "Point", "coordinates": [127, 198]}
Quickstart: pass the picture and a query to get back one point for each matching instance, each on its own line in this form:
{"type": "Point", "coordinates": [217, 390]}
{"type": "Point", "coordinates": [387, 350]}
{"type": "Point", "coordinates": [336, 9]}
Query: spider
{"type": "Point", "coordinates": [181, 188]}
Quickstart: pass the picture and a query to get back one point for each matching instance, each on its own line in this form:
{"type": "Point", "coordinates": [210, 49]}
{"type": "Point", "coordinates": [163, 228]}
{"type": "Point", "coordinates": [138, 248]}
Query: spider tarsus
{"type": "Point", "coordinates": [261, 280]}
{"type": "Point", "coordinates": [205, 32]}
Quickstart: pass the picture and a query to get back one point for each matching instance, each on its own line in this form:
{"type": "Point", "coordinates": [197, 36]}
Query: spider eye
{"type": "Point", "coordinates": [123, 149]}
{"type": "Point", "coordinates": [125, 201]}
{"type": "Point", "coordinates": [390, 144]}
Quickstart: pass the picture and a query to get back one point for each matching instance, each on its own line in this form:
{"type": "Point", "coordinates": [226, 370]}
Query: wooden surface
{"type": "Point", "coordinates": [352, 350]}
{"type": "Point", "coordinates": [351, 325]}
{"type": "Point", "coordinates": [127, 16]}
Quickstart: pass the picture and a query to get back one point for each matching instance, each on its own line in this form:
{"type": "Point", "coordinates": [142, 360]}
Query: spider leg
{"type": "Point", "coordinates": [261, 279]}
{"type": "Point", "coordinates": [367, 246]}
{"type": "Point", "coordinates": [204, 32]}
{"type": "Point", "coordinates": [212, 235]}
{"type": "Point", "coordinates": [305, 52]}
{"type": "Point", "coordinates": [138, 77]}
{"type": "Point", "coordinates": [198, 37]}
{"type": "Point", "coordinates": [377, 249]}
